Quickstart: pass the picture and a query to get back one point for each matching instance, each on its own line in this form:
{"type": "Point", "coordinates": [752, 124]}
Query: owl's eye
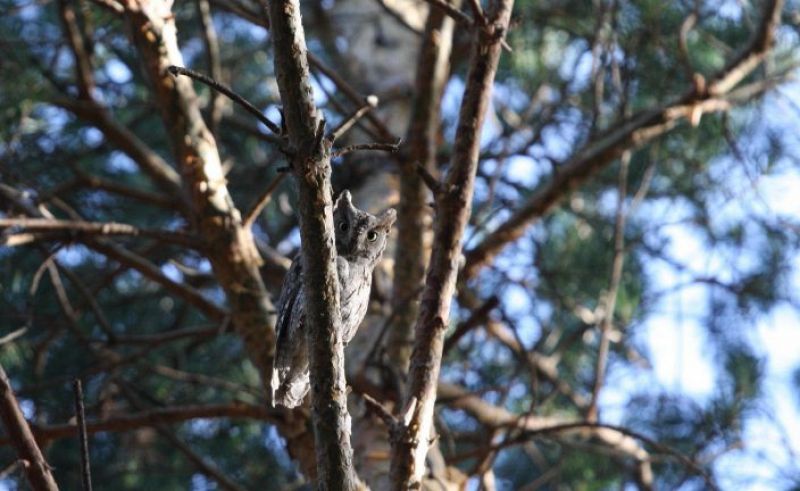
{"type": "Point", "coordinates": [343, 226]}
{"type": "Point", "coordinates": [372, 236]}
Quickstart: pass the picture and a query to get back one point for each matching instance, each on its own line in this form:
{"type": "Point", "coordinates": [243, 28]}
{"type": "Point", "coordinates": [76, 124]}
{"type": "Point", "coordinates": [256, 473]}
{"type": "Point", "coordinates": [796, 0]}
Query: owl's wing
{"type": "Point", "coordinates": [289, 379]}
{"type": "Point", "coordinates": [290, 290]}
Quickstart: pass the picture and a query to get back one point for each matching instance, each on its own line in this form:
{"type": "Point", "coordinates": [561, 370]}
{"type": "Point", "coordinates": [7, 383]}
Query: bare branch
{"type": "Point", "coordinates": [413, 216]}
{"type": "Point", "coordinates": [213, 60]}
{"type": "Point", "coordinates": [381, 147]}
{"type": "Point", "coordinates": [453, 209]}
{"type": "Point", "coordinates": [19, 434]}
{"type": "Point", "coordinates": [86, 473]}
{"type": "Point", "coordinates": [311, 164]}
{"type": "Point", "coordinates": [153, 272]}
{"type": "Point", "coordinates": [220, 87]}
{"type": "Point", "coordinates": [370, 103]}
{"type": "Point", "coordinates": [609, 300]}
{"type": "Point", "coordinates": [262, 201]}
{"type": "Point", "coordinates": [149, 418]}
{"type": "Point", "coordinates": [91, 228]}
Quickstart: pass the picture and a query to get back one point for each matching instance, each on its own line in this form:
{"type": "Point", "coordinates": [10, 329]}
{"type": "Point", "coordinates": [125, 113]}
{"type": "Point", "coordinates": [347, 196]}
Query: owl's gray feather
{"type": "Point", "coordinates": [360, 241]}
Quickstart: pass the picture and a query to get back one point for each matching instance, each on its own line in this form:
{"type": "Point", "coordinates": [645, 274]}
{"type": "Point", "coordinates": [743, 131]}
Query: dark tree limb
{"type": "Point", "coordinates": [413, 222]}
{"type": "Point", "coordinates": [19, 433]}
{"type": "Point", "coordinates": [224, 89]}
{"type": "Point", "coordinates": [38, 225]}
{"type": "Point", "coordinates": [262, 201]}
{"type": "Point", "coordinates": [630, 134]}
{"type": "Point", "coordinates": [153, 417]}
{"type": "Point", "coordinates": [453, 207]}
{"type": "Point", "coordinates": [312, 167]}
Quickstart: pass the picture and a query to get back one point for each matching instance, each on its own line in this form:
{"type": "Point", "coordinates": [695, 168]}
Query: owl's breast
{"type": "Point", "coordinates": [355, 282]}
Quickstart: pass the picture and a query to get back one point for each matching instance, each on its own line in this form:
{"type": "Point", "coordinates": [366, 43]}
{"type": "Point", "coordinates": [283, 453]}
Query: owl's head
{"type": "Point", "coordinates": [358, 233]}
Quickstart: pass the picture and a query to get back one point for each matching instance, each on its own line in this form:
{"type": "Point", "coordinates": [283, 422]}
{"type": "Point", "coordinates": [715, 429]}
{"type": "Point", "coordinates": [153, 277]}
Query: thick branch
{"type": "Point", "coordinates": [312, 166]}
{"type": "Point", "coordinates": [630, 134]}
{"type": "Point", "coordinates": [231, 248]}
{"type": "Point", "coordinates": [19, 434]}
{"type": "Point", "coordinates": [413, 213]}
{"type": "Point", "coordinates": [453, 210]}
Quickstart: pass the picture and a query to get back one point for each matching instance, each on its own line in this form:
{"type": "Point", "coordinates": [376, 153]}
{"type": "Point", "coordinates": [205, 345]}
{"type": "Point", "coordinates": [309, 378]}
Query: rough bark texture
{"type": "Point", "coordinates": [453, 208]}
{"type": "Point", "coordinates": [36, 469]}
{"type": "Point", "coordinates": [312, 167]}
{"type": "Point", "coordinates": [413, 241]}
{"type": "Point", "coordinates": [229, 245]}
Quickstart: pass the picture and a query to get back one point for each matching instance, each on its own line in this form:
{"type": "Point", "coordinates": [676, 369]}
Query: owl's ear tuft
{"type": "Point", "coordinates": [344, 199]}
{"type": "Point", "coordinates": [387, 218]}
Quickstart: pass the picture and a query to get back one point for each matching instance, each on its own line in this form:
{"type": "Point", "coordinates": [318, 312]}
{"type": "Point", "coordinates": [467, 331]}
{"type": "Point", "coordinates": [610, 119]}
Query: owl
{"type": "Point", "coordinates": [360, 241]}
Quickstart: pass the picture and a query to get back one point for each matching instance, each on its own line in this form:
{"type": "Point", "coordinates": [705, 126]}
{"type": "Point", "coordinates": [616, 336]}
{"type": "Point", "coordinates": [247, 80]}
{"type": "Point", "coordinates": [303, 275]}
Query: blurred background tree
{"type": "Point", "coordinates": [637, 189]}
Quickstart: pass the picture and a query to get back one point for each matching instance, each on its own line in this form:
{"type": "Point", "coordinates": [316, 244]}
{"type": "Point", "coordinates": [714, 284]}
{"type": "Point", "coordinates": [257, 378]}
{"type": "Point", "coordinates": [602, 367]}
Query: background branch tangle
{"type": "Point", "coordinates": [146, 228]}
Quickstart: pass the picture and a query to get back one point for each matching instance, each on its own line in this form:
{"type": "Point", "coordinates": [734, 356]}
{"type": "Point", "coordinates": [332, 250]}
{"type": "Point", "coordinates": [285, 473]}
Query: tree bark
{"type": "Point", "coordinates": [413, 242]}
{"type": "Point", "coordinates": [310, 154]}
{"type": "Point", "coordinates": [453, 207]}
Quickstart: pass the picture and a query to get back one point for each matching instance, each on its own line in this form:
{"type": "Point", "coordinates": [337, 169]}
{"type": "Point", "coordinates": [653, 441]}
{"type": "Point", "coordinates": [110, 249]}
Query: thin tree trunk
{"type": "Point", "coordinates": [311, 162]}
{"type": "Point", "coordinates": [453, 208]}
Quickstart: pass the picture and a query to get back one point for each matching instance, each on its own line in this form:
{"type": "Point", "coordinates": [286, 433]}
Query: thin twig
{"type": "Point", "coordinates": [610, 301]}
{"type": "Point", "coordinates": [370, 103]}
{"type": "Point", "coordinates": [262, 200]}
{"type": "Point", "coordinates": [430, 181]}
{"type": "Point", "coordinates": [86, 472]}
{"type": "Point", "coordinates": [177, 70]}
{"type": "Point", "coordinates": [351, 94]}
{"type": "Point", "coordinates": [383, 147]}
{"type": "Point", "coordinates": [13, 335]}
{"type": "Point", "coordinates": [453, 12]}
{"type": "Point", "coordinates": [386, 416]}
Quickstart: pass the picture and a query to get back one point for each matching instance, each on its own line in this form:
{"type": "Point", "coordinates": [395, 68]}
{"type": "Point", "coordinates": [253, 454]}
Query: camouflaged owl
{"type": "Point", "coordinates": [360, 241]}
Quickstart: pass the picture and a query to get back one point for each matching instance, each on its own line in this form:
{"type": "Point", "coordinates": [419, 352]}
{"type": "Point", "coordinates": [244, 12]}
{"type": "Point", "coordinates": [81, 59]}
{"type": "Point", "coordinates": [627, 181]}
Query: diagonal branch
{"type": "Point", "coordinates": [153, 273]}
{"type": "Point", "coordinates": [632, 133]}
{"type": "Point", "coordinates": [453, 208]}
{"type": "Point", "coordinates": [224, 89]}
{"type": "Point", "coordinates": [19, 434]}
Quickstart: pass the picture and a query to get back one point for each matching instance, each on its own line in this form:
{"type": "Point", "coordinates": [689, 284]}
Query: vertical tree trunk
{"type": "Point", "coordinates": [453, 206]}
{"type": "Point", "coordinates": [311, 163]}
